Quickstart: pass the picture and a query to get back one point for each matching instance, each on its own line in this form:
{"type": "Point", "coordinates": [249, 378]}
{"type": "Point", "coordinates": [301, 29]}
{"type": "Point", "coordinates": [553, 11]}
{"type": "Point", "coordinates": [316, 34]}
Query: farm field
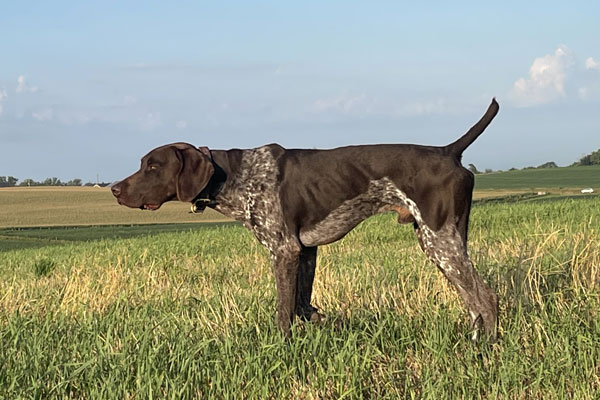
{"type": "Point", "coordinates": [48, 206]}
{"type": "Point", "coordinates": [69, 206]}
{"type": "Point", "coordinates": [188, 311]}
{"type": "Point", "coordinates": [570, 179]}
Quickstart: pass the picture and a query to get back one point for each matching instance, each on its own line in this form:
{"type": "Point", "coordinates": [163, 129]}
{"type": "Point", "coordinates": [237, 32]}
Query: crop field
{"type": "Point", "coordinates": [544, 178]}
{"type": "Point", "coordinates": [51, 206]}
{"type": "Point", "coordinates": [188, 311]}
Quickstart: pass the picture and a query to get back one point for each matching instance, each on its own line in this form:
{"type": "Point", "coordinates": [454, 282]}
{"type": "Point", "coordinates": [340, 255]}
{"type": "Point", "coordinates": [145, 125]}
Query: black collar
{"type": "Point", "coordinates": [207, 197]}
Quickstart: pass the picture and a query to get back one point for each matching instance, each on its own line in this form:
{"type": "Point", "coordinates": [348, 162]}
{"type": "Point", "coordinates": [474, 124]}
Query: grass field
{"type": "Point", "coordinates": [49, 206]}
{"type": "Point", "coordinates": [188, 311]}
{"type": "Point", "coordinates": [546, 178]}
{"type": "Point", "coordinates": [68, 206]}
{"type": "Point", "coordinates": [21, 238]}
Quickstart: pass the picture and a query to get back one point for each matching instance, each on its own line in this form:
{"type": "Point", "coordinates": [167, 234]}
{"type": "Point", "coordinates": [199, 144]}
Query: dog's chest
{"type": "Point", "coordinates": [252, 197]}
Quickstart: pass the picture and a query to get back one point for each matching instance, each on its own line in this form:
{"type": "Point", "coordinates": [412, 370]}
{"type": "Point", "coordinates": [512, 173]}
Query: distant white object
{"type": "Point", "coordinates": [587, 190]}
{"type": "Point", "coordinates": [541, 193]}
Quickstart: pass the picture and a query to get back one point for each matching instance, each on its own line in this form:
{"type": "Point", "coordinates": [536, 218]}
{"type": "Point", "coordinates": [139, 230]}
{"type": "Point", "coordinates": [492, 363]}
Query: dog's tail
{"type": "Point", "coordinates": [457, 148]}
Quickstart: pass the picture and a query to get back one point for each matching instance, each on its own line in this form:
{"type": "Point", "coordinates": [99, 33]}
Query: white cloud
{"type": "Point", "coordinates": [363, 105]}
{"type": "Point", "coordinates": [45, 114]}
{"type": "Point", "coordinates": [426, 107]}
{"type": "Point", "coordinates": [590, 81]}
{"type": "Point", "coordinates": [3, 96]}
{"type": "Point", "coordinates": [130, 100]}
{"type": "Point", "coordinates": [590, 63]}
{"type": "Point", "coordinates": [181, 124]}
{"type": "Point", "coordinates": [150, 121]}
{"type": "Point", "coordinates": [342, 104]}
{"type": "Point", "coordinates": [546, 81]}
{"type": "Point", "coordinates": [73, 118]}
{"type": "Point", "coordinates": [23, 87]}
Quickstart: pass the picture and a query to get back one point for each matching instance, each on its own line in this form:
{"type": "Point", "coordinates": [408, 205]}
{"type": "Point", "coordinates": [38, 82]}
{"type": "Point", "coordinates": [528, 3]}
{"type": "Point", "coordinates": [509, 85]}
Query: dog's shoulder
{"type": "Point", "coordinates": [276, 149]}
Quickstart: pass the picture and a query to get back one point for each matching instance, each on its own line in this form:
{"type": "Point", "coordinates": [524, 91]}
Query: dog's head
{"type": "Point", "coordinates": [177, 171]}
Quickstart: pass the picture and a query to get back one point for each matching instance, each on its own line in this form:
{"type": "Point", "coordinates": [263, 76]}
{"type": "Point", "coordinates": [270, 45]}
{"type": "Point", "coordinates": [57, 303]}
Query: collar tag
{"type": "Point", "coordinates": [199, 205]}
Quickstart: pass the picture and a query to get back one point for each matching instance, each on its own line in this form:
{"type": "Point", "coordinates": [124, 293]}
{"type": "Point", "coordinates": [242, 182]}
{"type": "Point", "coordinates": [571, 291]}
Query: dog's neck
{"type": "Point", "coordinates": [208, 196]}
{"type": "Point", "coordinates": [228, 199]}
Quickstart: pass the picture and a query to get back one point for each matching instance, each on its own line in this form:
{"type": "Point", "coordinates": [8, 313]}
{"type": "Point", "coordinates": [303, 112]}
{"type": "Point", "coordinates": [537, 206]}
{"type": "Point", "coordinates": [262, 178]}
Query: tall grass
{"type": "Point", "coordinates": [192, 315]}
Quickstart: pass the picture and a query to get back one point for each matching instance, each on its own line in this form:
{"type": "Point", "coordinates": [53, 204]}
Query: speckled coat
{"type": "Point", "coordinates": [294, 200]}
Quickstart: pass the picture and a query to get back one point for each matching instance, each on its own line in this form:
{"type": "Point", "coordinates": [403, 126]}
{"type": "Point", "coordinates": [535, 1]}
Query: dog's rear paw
{"type": "Point", "coordinates": [310, 314]}
{"type": "Point", "coordinates": [316, 317]}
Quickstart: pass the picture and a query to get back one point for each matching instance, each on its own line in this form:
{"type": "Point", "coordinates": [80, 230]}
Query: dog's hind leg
{"type": "Point", "coordinates": [447, 249]}
{"type": "Point", "coordinates": [306, 276]}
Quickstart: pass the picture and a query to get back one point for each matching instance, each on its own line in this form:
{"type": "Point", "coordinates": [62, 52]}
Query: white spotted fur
{"type": "Point", "coordinates": [252, 197]}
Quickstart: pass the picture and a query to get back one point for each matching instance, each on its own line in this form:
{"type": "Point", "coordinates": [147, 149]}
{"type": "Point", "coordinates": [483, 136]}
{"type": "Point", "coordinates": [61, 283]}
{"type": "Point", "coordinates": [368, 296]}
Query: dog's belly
{"type": "Point", "coordinates": [381, 196]}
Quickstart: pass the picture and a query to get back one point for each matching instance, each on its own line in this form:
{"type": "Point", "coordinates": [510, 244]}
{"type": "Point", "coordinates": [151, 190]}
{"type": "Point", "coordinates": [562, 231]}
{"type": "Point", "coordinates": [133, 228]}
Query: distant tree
{"type": "Point", "coordinates": [488, 171]}
{"type": "Point", "coordinates": [590, 159]}
{"type": "Point", "coordinates": [28, 182]}
{"type": "Point", "coordinates": [54, 181]}
{"type": "Point", "coordinates": [513, 169]}
{"type": "Point", "coordinates": [473, 168]}
{"type": "Point", "coordinates": [549, 164]}
{"type": "Point", "coordinates": [74, 182]}
{"type": "Point", "coordinates": [6, 181]}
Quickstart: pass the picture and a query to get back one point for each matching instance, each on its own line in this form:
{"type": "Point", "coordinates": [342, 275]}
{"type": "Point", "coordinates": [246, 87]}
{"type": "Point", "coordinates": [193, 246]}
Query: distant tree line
{"type": "Point", "coordinates": [591, 159]}
{"type": "Point", "coordinates": [473, 168]}
{"type": "Point", "coordinates": [11, 181]}
{"type": "Point", "coordinates": [549, 164]}
{"type": "Point", "coordinates": [8, 181]}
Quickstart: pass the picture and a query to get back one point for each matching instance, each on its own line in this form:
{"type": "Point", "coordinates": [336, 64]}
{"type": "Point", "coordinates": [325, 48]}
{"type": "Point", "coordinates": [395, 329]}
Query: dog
{"type": "Point", "coordinates": [294, 200]}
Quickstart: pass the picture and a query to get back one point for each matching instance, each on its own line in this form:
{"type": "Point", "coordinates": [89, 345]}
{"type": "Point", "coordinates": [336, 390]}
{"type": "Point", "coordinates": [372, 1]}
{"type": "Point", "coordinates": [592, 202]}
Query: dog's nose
{"type": "Point", "coordinates": [116, 190]}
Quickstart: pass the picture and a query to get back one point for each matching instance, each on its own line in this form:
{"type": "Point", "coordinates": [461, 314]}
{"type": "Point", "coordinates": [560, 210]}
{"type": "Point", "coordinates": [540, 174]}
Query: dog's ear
{"type": "Point", "coordinates": [194, 173]}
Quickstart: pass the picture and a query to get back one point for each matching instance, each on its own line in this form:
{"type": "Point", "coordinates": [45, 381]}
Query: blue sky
{"type": "Point", "coordinates": [88, 88]}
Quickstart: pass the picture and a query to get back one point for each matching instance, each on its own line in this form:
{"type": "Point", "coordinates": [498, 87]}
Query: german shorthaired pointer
{"type": "Point", "coordinates": [294, 200]}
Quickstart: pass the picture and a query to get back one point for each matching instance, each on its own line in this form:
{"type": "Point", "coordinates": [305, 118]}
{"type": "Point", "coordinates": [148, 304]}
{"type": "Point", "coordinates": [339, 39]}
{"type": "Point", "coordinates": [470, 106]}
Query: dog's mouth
{"type": "Point", "coordinates": [152, 207]}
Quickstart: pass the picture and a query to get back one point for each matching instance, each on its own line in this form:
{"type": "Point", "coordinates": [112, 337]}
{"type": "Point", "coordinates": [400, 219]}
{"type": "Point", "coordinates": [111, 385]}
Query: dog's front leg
{"type": "Point", "coordinates": [285, 268]}
{"type": "Point", "coordinates": [306, 276]}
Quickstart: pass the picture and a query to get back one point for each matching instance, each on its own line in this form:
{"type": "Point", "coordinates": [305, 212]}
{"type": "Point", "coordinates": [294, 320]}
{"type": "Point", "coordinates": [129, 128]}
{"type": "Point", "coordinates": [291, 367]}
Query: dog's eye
{"type": "Point", "coordinates": [153, 166]}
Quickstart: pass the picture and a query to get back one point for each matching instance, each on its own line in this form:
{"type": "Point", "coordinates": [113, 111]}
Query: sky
{"type": "Point", "coordinates": [88, 88]}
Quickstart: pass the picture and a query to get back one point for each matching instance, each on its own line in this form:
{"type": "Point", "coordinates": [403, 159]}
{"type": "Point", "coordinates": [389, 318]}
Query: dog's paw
{"type": "Point", "coordinates": [316, 317]}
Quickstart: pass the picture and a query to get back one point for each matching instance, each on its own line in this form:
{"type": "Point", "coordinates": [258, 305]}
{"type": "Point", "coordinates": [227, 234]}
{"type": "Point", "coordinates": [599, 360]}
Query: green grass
{"type": "Point", "coordinates": [528, 197]}
{"type": "Point", "coordinates": [546, 178]}
{"type": "Point", "coordinates": [17, 238]}
{"type": "Point", "coordinates": [191, 314]}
